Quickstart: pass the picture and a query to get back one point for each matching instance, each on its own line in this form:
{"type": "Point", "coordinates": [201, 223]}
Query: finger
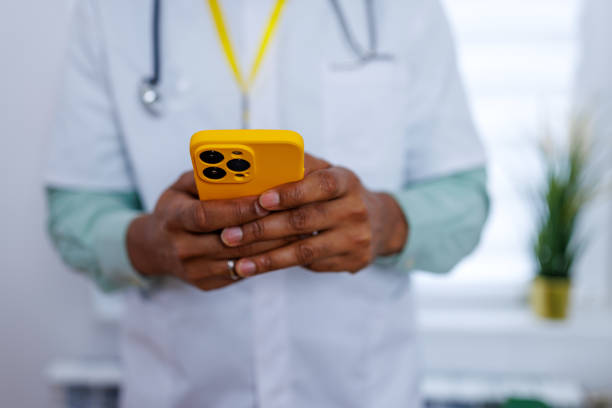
{"type": "Point", "coordinates": [339, 263]}
{"type": "Point", "coordinates": [320, 185]}
{"type": "Point", "coordinates": [211, 246]}
{"type": "Point", "coordinates": [312, 163]}
{"type": "Point", "coordinates": [186, 184]}
{"type": "Point", "coordinates": [213, 283]}
{"type": "Point", "coordinates": [202, 268]}
{"type": "Point", "coordinates": [207, 216]}
{"type": "Point", "coordinates": [303, 220]}
{"type": "Point", "coordinates": [254, 248]}
{"type": "Point", "coordinates": [302, 252]}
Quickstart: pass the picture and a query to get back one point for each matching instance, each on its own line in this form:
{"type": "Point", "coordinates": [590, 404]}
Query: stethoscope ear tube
{"type": "Point", "coordinates": [148, 91]}
{"type": "Point", "coordinates": [364, 55]}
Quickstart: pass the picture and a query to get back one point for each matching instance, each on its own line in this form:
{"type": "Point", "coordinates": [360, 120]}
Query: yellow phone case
{"type": "Point", "coordinates": [238, 163]}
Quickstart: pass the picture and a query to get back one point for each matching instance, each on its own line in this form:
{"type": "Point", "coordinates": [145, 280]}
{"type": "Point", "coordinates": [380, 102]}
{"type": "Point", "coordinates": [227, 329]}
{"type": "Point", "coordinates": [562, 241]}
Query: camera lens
{"type": "Point", "coordinates": [211, 157]}
{"type": "Point", "coordinates": [214, 173]}
{"type": "Point", "coordinates": [238, 165]}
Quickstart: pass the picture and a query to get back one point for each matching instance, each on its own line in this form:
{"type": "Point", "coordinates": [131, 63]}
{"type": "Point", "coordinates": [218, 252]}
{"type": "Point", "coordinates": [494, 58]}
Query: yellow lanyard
{"type": "Point", "coordinates": [226, 43]}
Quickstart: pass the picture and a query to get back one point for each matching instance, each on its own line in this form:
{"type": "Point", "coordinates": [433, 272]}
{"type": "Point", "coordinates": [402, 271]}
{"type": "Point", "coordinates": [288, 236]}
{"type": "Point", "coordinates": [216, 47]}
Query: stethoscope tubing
{"type": "Point", "coordinates": [349, 37]}
{"type": "Point", "coordinates": [149, 91]}
{"type": "Point", "coordinates": [156, 31]}
{"type": "Point", "coordinates": [149, 87]}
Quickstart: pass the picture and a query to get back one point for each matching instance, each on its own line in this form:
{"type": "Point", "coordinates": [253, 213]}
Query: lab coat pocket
{"type": "Point", "coordinates": [364, 124]}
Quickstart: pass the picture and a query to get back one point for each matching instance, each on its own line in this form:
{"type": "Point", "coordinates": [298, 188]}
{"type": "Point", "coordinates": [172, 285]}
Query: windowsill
{"type": "Point", "coordinates": [514, 321]}
{"type": "Point", "coordinates": [95, 373]}
{"type": "Point", "coordinates": [511, 341]}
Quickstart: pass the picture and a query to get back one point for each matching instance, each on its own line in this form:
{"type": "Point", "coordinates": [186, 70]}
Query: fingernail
{"type": "Point", "coordinates": [231, 236]}
{"type": "Point", "coordinates": [245, 268]}
{"type": "Point", "coordinates": [269, 200]}
{"type": "Point", "coordinates": [259, 210]}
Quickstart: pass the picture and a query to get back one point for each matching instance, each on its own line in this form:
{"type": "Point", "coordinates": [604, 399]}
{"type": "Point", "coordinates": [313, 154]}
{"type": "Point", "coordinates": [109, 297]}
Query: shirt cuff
{"type": "Point", "coordinates": [112, 255]}
{"type": "Point", "coordinates": [445, 218]}
{"type": "Point", "coordinates": [416, 210]}
{"type": "Point", "coordinates": [413, 208]}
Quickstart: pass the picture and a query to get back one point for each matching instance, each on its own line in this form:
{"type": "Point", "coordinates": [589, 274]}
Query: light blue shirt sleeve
{"type": "Point", "coordinates": [445, 217]}
{"type": "Point", "coordinates": [89, 229]}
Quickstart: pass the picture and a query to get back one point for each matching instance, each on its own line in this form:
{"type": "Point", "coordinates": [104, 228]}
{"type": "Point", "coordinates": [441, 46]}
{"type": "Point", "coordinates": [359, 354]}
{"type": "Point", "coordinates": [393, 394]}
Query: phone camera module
{"type": "Point", "coordinates": [214, 173]}
{"type": "Point", "coordinates": [211, 157]}
{"type": "Point", "coordinates": [238, 165]}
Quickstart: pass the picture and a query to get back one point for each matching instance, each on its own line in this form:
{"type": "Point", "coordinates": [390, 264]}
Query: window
{"type": "Point", "coordinates": [517, 58]}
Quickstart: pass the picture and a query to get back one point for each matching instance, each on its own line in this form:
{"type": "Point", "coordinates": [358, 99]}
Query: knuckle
{"type": "Point", "coordinates": [305, 253]}
{"type": "Point", "coordinates": [180, 183]}
{"type": "Point", "coordinates": [180, 251]}
{"type": "Point", "coordinates": [353, 179]}
{"type": "Point", "coordinates": [354, 269]}
{"type": "Point", "coordinates": [318, 268]}
{"type": "Point", "coordinates": [328, 183]}
{"type": "Point", "coordinates": [362, 239]}
{"type": "Point", "coordinates": [264, 263]}
{"type": "Point", "coordinates": [256, 230]}
{"type": "Point", "coordinates": [189, 273]}
{"type": "Point", "coordinates": [168, 254]}
{"type": "Point", "coordinates": [196, 272]}
{"type": "Point", "coordinates": [321, 210]}
{"type": "Point", "coordinates": [164, 199]}
{"type": "Point", "coordinates": [240, 211]}
{"type": "Point", "coordinates": [359, 263]}
{"type": "Point", "coordinates": [184, 178]}
{"type": "Point", "coordinates": [200, 215]}
{"type": "Point", "coordinates": [206, 285]}
{"type": "Point", "coordinates": [325, 164]}
{"type": "Point", "coordinates": [358, 212]}
{"type": "Point", "coordinates": [292, 196]}
{"type": "Point", "coordinates": [168, 215]}
{"type": "Point", "coordinates": [366, 259]}
{"type": "Point", "coordinates": [180, 271]}
{"type": "Point", "coordinates": [298, 219]}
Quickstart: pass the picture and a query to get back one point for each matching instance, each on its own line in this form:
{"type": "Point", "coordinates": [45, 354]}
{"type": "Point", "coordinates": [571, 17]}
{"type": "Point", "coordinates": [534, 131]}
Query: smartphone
{"type": "Point", "coordinates": [238, 163]}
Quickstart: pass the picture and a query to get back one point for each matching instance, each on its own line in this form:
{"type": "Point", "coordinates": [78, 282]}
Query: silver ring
{"type": "Point", "coordinates": [231, 265]}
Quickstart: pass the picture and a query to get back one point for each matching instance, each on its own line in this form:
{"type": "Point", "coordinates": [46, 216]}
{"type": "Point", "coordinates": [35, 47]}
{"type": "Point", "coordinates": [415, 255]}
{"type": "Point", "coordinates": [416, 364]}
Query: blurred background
{"type": "Point", "coordinates": [526, 64]}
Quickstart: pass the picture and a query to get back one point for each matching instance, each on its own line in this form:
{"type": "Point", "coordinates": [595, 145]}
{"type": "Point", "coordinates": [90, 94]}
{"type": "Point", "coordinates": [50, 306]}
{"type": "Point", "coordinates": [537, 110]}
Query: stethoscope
{"type": "Point", "coordinates": [150, 95]}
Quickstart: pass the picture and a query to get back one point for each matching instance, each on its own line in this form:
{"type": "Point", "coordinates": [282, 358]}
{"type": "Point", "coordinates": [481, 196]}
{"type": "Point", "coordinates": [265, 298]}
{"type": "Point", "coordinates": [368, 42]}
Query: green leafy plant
{"type": "Point", "coordinates": [562, 199]}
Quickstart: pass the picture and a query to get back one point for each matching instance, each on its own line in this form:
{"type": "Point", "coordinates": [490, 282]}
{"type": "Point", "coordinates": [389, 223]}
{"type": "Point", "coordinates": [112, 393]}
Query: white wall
{"type": "Point", "coordinates": [45, 310]}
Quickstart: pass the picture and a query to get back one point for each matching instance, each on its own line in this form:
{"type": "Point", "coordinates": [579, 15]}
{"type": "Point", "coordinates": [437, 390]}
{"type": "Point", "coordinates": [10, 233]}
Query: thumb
{"type": "Point", "coordinates": [186, 184]}
{"type": "Point", "coordinates": [312, 163]}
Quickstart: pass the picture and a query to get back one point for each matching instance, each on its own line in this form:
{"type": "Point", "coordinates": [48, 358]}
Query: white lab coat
{"type": "Point", "coordinates": [291, 338]}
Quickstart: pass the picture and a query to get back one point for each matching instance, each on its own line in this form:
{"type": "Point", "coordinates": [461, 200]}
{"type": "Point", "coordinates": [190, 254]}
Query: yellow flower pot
{"type": "Point", "coordinates": [550, 297]}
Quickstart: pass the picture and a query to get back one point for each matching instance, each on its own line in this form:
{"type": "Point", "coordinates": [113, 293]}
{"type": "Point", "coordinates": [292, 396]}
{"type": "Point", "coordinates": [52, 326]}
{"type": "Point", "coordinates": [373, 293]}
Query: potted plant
{"type": "Point", "coordinates": [562, 199]}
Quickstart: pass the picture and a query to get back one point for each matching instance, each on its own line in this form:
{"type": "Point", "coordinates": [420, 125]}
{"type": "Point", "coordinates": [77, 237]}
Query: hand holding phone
{"type": "Point", "coordinates": [180, 237]}
{"type": "Point", "coordinates": [341, 224]}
